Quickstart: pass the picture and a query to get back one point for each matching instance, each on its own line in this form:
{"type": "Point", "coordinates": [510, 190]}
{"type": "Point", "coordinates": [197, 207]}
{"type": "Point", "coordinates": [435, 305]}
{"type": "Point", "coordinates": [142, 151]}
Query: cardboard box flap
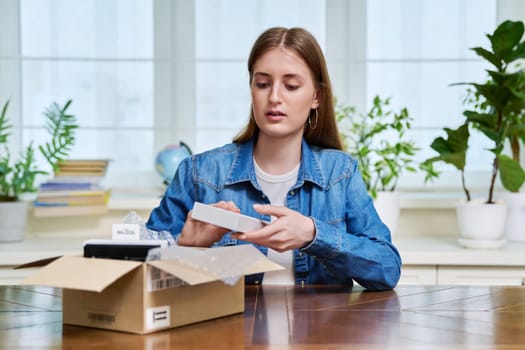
{"type": "Point", "coordinates": [196, 266]}
{"type": "Point", "coordinates": [37, 263]}
{"type": "Point", "coordinates": [265, 265]}
{"type": "Point", "coordinates": [75, 272]}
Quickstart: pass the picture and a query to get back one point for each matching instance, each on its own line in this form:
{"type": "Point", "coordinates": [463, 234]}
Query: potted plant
{"type": "Point", "coordinates": [515, 197]}
{"type": "Point", "coordinates": [18, 174]}
{"type": "Point", "coordinates": [378, 141]}
{"type": "Point", "coordinates": [495, 108]}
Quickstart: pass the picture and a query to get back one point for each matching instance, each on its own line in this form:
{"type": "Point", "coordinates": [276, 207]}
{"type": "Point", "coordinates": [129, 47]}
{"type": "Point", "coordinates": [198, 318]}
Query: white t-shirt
{"type": "Point", "coordinates": [275, 187]}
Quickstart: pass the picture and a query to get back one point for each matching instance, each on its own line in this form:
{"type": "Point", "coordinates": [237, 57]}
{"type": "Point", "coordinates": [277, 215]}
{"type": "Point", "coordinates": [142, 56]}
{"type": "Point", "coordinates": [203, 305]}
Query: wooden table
{"type": "Point", "coordinates": [311, 317]}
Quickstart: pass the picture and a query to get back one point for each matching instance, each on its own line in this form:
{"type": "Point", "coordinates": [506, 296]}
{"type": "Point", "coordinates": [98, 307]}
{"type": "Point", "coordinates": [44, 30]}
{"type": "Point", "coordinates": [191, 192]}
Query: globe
{"type": "Point", "coordinates": [169, 158]}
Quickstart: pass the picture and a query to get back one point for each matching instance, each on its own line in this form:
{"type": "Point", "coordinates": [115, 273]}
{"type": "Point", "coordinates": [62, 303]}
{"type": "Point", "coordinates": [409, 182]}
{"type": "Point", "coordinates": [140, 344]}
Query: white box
{"type": "Point", "coordinates": [125, 232]}
{"type": "Point", "coordinates": [225, 218]}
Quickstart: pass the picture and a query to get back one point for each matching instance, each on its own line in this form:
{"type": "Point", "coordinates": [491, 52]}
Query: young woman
{"type": "Point", "coordinates": [287, 167]}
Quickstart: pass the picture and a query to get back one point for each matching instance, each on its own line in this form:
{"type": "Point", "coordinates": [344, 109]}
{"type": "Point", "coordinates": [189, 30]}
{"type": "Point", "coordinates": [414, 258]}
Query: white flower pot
{"type": "Point", "coordinates": [388, 207]}
{"type": "Point", "coordinates": [481, 225]}
{"type": "Point", "coordinates": [515, 224]}
{"type": "Point", "coordinates": [13, 220]}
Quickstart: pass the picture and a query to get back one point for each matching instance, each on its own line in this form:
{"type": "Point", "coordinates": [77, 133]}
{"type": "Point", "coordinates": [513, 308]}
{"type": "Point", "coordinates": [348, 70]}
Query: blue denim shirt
{"type": "Point", "coordinates": [351, 242]}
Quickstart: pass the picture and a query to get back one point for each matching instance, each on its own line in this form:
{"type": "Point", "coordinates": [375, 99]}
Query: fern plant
{"type": "Point", "coordinates": [61, 126]}
{"type": "Point", "coordinates": [18, 175]}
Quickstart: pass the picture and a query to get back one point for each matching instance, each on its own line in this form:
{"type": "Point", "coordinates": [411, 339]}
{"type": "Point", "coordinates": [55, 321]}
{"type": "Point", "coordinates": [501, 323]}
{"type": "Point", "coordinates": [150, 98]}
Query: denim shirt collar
{"type": "Point", "coordinates": [242, 168]}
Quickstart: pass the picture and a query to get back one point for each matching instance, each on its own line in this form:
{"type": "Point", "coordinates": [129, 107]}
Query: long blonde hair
{"type": "Point", "coordinates": [325, 134]}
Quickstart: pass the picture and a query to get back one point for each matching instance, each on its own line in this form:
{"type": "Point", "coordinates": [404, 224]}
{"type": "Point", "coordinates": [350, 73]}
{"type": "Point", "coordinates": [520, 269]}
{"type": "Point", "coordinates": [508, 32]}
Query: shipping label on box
{"type": "Point", "coordinates": [157, 317]}
{"type": "Point", "coordinates": [158, 279]}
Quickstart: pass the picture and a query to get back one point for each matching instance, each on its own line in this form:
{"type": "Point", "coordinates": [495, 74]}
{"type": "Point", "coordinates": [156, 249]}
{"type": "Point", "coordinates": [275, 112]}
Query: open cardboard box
{"type": "Point", "coordinates": [145, 297]}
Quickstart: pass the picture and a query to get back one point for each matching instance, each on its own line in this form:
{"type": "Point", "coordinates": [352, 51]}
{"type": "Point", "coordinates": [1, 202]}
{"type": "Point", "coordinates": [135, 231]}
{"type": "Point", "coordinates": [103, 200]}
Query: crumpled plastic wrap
{"type": "Point", "coordinates": [133, 218]}
{"type": "Point", "coordinates": [220, 262]}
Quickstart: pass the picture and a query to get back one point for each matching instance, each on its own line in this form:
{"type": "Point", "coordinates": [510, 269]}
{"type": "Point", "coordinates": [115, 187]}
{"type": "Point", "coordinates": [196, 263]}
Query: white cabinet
{"type": "Point", "coordinates": [433, 260]}
{"type": "Point", "coordinates": [486, 275]}
{"type": "Point", "coordinates": [418, 275]}
{"type": "Point", "coordinates": [462, 275]}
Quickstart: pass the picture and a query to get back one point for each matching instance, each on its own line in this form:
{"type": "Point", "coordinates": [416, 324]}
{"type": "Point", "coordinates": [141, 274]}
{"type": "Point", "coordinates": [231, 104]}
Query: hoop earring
{"type": "Point", "coordinates": [316, 120]}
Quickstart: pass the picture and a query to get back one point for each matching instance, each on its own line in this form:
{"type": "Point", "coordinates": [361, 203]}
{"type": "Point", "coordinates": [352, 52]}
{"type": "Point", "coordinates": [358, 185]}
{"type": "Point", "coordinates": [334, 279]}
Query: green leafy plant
{"type": "Point", "coordinates": [494, 108]}
{"type": "Point", "coordinates": [379, 142]}
{"type": "Point", "coordinates": [61, 127]}
{"type": "Point", "coordinates": [453, 151]}
{"type": "Point", "coordinates": [18, 175]}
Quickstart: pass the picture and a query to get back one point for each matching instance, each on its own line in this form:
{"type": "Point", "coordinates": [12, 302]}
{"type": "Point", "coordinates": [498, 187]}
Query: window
{"type": "Point", "coordinates": [412, 50]}
{"type": "Point", "coordinates": [225, 32]}
{"type": "Point", "coordinates": [143, 74]}
{"type": "Point", "coordinates": [97, 53]}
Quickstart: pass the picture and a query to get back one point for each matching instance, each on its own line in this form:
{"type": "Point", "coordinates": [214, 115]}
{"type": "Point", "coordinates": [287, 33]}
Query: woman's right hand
{"type": "Point", "coordinates": [197, 233]}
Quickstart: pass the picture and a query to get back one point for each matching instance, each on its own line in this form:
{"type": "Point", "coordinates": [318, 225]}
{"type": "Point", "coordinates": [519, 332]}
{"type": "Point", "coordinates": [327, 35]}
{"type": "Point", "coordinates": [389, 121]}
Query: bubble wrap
{"type": "Point", "coordinates": [222, 262]}
{"type": "Point", "coordinates": [145, 233]}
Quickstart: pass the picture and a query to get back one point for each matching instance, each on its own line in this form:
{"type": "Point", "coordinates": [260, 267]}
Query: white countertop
{"type": "Point", "coordinates": [448, 251]}
{"type": "Point", "coordinates": [39, 247]}
{"type": "Point", "coordinates": [413, 250]}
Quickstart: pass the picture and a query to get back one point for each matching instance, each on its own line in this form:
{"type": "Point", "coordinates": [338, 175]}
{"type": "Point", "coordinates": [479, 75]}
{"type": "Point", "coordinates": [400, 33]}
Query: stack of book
{"type": "Point", "coordinates": [85, 169]}
{"type": "Point", "coordinates": [76, 189]}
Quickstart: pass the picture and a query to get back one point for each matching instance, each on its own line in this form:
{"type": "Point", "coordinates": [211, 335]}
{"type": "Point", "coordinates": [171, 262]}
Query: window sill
{"type": "Point", "coordinates": [430, 200]}
{"type": "Point", "coordinates": [125, 199]}
{"type": "Point", "coordinates": [440, 200]}
{"type": "Point", "coordinates": [149, 198]}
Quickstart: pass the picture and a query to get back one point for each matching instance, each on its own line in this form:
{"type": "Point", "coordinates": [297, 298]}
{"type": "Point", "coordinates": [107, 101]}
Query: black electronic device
{"type": "Point", "coordinates": [122, 250]}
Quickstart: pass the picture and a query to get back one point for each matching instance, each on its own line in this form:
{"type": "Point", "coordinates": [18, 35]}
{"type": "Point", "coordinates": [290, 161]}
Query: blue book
{"type": "Point", "coordinates": [56, 186]}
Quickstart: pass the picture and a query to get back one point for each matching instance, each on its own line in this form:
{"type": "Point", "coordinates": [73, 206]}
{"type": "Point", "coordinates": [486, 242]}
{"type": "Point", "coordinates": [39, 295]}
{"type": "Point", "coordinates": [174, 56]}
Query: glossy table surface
{"type": "Point", "coordinates": [311, 317]}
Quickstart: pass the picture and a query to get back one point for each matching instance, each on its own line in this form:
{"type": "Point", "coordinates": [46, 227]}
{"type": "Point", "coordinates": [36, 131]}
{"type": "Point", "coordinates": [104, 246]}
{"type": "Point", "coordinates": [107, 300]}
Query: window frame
{"type": "Point", "coordinates": [175, 60]}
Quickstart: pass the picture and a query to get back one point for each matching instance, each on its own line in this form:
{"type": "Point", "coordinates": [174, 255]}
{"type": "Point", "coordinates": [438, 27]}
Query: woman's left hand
{"type": "Point", "coordinates": [290, 229]}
